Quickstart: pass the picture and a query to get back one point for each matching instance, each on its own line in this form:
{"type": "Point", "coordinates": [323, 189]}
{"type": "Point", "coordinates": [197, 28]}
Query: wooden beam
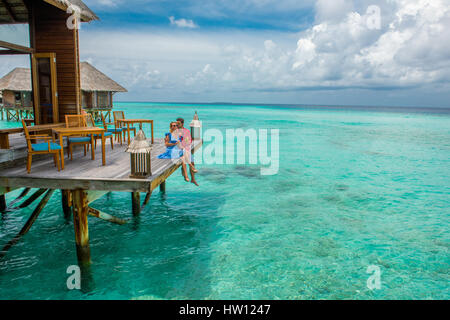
{"type": "Point", "coordinates": [80, 223]}
{"type": "Point", "coordinates": [66, 203]}
{"type": "Point", "coordinates": [32, 198]}
{"type": "Point", "coordinates": [22, 194]}
{"type": "Point", "coordinates": [147, 199]}
{"type": "Point", "coordinates": [2, 203]}
{"type": "Point", "coordinates": [136, 203]}
{"type": "Point", "coordinates": [9, 52]}
{"type": "Point", "coordinates": [73, 184]}
{"type": "Point", "coordinates": [104, 216]}
{"type": "Point", "coordinates": [29, 223]}
{"type": "Point", "coordinates": [93, 195]}
{"type": "Point", "coordinates": [15, 47]}
{"type": "Point", "coordinates": [57, 4]}
{"type": "Point", "coordinates": [162, 186]}
{"type": "Point", "coordinates": [9, 11]}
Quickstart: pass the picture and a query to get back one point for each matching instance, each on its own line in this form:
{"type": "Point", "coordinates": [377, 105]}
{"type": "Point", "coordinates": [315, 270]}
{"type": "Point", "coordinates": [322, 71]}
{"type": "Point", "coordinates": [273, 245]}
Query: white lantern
{"type": "Point", "coordinates": [140, 156]}
{"type": "Point", "coordinates": [196, 127]}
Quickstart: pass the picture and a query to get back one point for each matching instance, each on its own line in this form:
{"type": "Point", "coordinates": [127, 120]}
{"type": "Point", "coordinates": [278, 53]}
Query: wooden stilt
{"type": "Point", "coordinates": [162, 186]}
{"type": "Point", "coordinates": [66, 204]}
{"type": "Point", "coordinates": [80, 223]}
{"type": "Point", "coordinates": [147, 199]}
{"type": "Point", "coordinates": [2, 203]}
{"type": "Point", "coordinates": [104, 216]}
{"type": "Point", "coordinates": [136, 203]}
{"type": "Point", "coordinates": [22, 194]}
{"type": "Point", "coordinates": [32, 198]}
{"type": "Point", "coordinates": [29, 223]}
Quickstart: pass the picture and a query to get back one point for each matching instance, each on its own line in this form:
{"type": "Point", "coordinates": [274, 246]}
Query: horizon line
{"type": "Point", "coordinates": [288, 104]}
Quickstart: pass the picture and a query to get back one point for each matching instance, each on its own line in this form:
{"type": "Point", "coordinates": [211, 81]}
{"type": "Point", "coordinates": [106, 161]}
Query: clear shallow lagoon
{"type": "Point", "coordinates": [355, 188]}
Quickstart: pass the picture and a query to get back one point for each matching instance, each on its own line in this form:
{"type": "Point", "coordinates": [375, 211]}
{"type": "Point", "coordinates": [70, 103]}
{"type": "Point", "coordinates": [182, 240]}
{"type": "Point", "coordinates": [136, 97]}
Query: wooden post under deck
{"type": "Point", "coordinates": [66, 205]}
{"type": "Point", "coordinates": [162, 186]}
{"type": "Point", "coordinates": [136, 203]}
{"type": "Point", "coordinates": [2, 203]}
{"type": "Point", "coordinates": [80, 222]}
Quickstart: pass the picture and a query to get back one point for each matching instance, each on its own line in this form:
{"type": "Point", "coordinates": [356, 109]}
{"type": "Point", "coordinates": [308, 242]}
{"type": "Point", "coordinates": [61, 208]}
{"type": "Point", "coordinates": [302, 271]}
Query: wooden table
{"type": "Point", "coordinates": [39, 129]}
{"type": "Point", "coordinates": [133, 121]}
{"type": "Point", "coordinates": [67, 132]}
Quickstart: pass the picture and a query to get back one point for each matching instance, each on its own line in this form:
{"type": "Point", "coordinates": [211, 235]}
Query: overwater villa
{"type": "Point", "coordinates": [15, 88]}
{"type": "Point", "coordinates": [97, 91]}
{"type": "Point", "coordinates": [34, 155]}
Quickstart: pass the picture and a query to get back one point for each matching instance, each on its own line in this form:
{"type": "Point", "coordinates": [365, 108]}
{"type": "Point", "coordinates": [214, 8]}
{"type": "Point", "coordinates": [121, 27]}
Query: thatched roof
{"type": "Point", "coordinates": [92, 79]}
{"type": "Point", "coordinates": [15, 11]}
{"type": "Point", "coordinates": [17, 80]}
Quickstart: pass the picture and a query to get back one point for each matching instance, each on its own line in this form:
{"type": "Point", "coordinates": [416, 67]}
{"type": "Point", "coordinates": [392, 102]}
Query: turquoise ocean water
{"type": "Point", "coordinates": [355, 188]}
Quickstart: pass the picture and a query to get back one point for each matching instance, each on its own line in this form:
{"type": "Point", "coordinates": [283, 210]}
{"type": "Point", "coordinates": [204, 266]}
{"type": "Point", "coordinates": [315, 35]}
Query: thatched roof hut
{"type": "Point", "coordinates": [15, 88]}
{"type": "Point", "coordinates": [94, 80]}
{"type": "Point", "coordinates": [18, 79]}
{"type": "Point", "coordinates": [97, 88]}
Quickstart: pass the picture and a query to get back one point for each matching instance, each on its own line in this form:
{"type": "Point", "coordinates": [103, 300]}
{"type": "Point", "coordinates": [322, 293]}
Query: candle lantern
{"type": "Point", "coordinates": [196, 127]}
{"type": "Point", "coordinates": [140, 156]}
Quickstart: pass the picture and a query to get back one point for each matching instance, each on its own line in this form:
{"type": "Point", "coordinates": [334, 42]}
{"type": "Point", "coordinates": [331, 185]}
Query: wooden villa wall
{"type": "Point", "coordinates": [87, 99]}
{"type": "Point", "coordinates": [52, 35]}
{"type": "Point", "coordinates": [9, 98]}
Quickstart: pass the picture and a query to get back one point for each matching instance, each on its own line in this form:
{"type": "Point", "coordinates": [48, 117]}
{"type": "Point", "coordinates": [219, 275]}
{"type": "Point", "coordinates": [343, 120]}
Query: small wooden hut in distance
{"type": "Point", "coordinates": [97, 88]}
{"type": "Point", "coordinates": [16, 88]}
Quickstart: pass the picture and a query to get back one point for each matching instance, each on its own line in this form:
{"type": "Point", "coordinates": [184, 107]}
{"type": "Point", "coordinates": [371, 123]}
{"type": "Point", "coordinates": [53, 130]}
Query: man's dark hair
{"type": "Point", "coordinates": [181, 120]}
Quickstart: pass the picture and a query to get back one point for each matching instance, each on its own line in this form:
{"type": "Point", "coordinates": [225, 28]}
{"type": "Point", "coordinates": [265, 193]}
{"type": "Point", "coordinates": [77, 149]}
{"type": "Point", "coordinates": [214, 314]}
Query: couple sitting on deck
{"type": "Point", "coordinates": [178, 145]}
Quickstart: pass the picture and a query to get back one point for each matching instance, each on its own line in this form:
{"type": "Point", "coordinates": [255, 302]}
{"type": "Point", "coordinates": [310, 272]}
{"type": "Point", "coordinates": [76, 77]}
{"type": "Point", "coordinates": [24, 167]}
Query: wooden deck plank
{"type": "Point", "coordinates": [84, 173]}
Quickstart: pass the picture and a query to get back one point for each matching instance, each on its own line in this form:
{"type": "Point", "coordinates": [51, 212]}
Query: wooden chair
{"type": "Point", "coordinates": [76, 121]}
{"type": "Point", "coordinates": [119, 115]}
{"type": "Point", "coordinates": [117, 132]}
{"type": "Point", "coordinates": [48, 147]}
{"type": "Point", "coordinates": [90, 123]}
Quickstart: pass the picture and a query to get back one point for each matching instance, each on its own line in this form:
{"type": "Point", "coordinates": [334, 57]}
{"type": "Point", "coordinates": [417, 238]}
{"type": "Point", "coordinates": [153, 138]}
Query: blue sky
{"type": "Point", "coordinates": [366, 52]}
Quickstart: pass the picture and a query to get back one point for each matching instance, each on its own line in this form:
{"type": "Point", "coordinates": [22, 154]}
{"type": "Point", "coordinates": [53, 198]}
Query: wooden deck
{"type": "Point", "coordinates": [84, 173]}
{"type": "Point", "coordinates": [81, 182]}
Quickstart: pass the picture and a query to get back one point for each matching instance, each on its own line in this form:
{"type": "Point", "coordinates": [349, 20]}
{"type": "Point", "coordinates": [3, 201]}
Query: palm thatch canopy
{"type": "Point", "coordinates": [18, 79]}
{"type": "Point", "coordinates": [16, 11]}
{"type": "Point", "coordinates": [92, 79]}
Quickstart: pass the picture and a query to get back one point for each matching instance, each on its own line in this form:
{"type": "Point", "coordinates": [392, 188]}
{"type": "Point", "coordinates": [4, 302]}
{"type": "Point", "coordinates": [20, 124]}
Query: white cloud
{"type": "Point", "coordinates": [104, 3]}
{"type": "Point", "coordinates": [410, 50]}
{"type": "Point", "coordinates": [341, 50]}
{"type": "Point", "coordinates": [109, 3]}
{"type": "Point", "coordinates": [182, 23]}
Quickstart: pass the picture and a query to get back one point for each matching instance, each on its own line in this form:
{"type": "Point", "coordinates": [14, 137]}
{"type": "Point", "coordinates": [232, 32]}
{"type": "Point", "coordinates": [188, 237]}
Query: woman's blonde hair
{"type": "Point", "coordinates": [170, 125]}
